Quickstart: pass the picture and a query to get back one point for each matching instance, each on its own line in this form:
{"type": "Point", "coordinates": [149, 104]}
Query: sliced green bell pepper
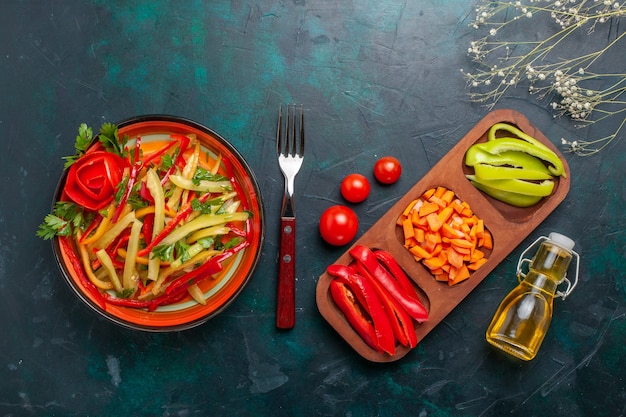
{"type": "Point", "coordinates": [541, 189]}
{"type": "Point", "coordinates": [514, 199]}
{"type": "Point", "coordinates": [498, 146]}
{"type": "Point", "coordinates": [476, 155]}
{"type": "Point", "coordinates": [491, 172]}
{"type": "Point", "coordinates": [491, 135]}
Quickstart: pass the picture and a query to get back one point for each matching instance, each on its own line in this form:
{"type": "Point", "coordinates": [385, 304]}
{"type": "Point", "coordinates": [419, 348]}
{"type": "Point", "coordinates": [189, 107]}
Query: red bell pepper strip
{"type": "Point", "coordinates": [346, 301]}
{"type": "Point", "coordinates": [396, 271]}
{"type": "Point", "coordinates": [125, 302]}
{"type": "Point", "coordinates": [77, 265]}
{"type": "Point", "coordinates": [148, 225]}
{"type": "Point", "coordinates": [177, 290]}
{"type": "Point", "coordinates": [401, 322]}
{"type": "Point", "coordinates": [182, 214]}
{"type": "Point", "coordinates": [166, 299]}
{"type": "Point", "coordinates": [205, 271]}
{"type": "Point", "coordinates": [92, 226]}
{"type": "Point", "coordinates": [367, 296]}
{"type": "Point", "coordinates": [145, 193]}
{"type": "Point", "coordinates": [134, 170]}
{"type": "Point", "coordinates": [184, 143]}
{"type": "Point", "coordinates": [413, 306]}
{"type": "Point", "coordinates": [243, 198]}
{"type": "Point", "coordinates": [158, 153]}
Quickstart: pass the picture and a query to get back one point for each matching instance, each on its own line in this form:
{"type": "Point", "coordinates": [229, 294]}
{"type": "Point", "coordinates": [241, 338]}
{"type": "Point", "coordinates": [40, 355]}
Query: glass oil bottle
{"type": "Point", "coordinates": [522, 319]}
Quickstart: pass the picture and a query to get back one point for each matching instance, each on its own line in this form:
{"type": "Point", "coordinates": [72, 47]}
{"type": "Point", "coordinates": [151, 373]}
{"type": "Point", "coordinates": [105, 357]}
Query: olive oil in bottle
{"type": "Point", "coordinates": [522, 319]}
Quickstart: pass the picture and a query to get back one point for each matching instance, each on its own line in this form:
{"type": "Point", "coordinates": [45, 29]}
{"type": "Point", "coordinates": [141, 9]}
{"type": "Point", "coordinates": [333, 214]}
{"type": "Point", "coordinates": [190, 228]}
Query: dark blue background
{"type": "Point", "coordinates": [376, 78]}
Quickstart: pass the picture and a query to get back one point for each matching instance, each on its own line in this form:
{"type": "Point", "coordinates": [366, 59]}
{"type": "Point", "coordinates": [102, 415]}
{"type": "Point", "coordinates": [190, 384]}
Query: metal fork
{"type": "Point", "coordinates": [290, 151]}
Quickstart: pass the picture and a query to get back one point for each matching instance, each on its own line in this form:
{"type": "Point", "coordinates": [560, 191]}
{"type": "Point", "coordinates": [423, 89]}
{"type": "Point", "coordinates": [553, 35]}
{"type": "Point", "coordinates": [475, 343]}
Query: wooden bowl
{"type": "Point", "coordinates": [509, 226]}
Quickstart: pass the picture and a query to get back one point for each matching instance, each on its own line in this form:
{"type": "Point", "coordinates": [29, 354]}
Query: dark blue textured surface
{"type": "Point", "coordinates": [376, 78]}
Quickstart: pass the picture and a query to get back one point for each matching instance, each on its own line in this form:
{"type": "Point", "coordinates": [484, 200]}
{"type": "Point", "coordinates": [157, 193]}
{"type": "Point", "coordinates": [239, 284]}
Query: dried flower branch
{"type": "Point", "coordinates": [545, 64]}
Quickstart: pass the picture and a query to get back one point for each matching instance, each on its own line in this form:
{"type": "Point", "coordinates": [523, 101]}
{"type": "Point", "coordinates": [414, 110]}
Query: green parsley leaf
{"type": "Point", "coordinates": [53, 226]}
{"type": "Point", "coordinates": [206, 242]}
{"type": "Point", "coordinates": [233, 242]}
{"type": "Point", "coordinates": [204, 208]}
{"type": "Point", "coordinates": [167, 161]}
{"type": "Point", "coordinates": [110, 139]}
{"type": "Point", "coordinates": [65, 219]}
{"type": "Point", "coordinates": [126, 292]}
{"type": "Point", "coordinates": [182, 251]}
{"type": "Point", "coordinates": [83, 140]}
{"type": "Point", "coordinates": [164, 252]}
{"type": "Point", "coordinates": [203, 174]}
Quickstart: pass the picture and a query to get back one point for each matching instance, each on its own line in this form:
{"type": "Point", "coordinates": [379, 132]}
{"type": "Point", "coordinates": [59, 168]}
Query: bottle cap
{"type": "Point", "coordinates": [562, 240]}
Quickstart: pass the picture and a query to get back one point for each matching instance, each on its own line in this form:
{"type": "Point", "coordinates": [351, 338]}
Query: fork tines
{"type": "Point", "coordinates": [286, 142]}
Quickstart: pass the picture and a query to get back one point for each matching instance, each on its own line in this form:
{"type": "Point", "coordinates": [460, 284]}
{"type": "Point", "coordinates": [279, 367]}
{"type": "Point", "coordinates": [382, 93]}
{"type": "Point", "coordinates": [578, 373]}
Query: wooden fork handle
{"type": "Point", "coordinates": [286, 300]}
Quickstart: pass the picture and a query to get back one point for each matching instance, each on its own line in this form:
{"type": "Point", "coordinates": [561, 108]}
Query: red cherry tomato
{"type": "Point", "coordinates": [339, 225]}
{"type": "Point", "coordinates": [355, 188]}
{"type": "Point", "coordinates": [387, 170]}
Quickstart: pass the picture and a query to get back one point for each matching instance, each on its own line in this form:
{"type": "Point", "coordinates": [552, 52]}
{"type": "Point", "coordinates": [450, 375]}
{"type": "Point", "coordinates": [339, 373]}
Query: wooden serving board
{"type": "Point", "coordinates": [509, 226]}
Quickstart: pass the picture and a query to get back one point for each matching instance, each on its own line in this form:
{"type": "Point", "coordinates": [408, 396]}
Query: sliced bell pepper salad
{"type": "Point", "coordinates": [135, 237]}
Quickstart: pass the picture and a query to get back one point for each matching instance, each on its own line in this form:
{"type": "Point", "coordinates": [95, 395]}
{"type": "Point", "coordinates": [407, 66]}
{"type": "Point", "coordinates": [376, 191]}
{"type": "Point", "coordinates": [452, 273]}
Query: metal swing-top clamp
{"type": "Point", "coordinates": [563, 242]}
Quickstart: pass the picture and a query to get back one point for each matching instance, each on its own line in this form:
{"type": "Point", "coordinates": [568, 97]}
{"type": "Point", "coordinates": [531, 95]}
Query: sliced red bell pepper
{"type": "Point", "coordinates": [148, 225]}
{"type": "Point", "coordinates": [367, 297]}
{"type": "Point", "coordinates": [145, 193]}
{"type": "Point", "coordinates": [242, 197]}
{"type": "Point", "coordinates": [206, 270]}
{"type": "Point", "coordinates": [134, 170]}
{"type": "Point", "coordinates": [92, 226]}
{"type": "Point", "coordinates": [146, 161]}
{"type": "Point", "coordinates": [77, 266]}
{"type": "Point", "coordinates": [396, 271]}
{"type": "Point", "coordinates": [413, 305]}
{"type": "Point", "coordinates": [346, 301]}
{"type": "Point", "coordinates": [182, 215]}
{"type": "Point", "coordinates": [125, 302]}
{"type": "Point", "coordinates": [176, 291]}
{"type": "Point", "coordinates": [184, 143]}
{"type": "Point", "coordinates": [401, 322]}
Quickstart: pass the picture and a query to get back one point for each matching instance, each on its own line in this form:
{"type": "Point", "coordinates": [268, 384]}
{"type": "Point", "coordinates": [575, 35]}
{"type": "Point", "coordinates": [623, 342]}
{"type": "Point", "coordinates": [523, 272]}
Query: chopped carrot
{"type": "Point", "coordinates": [433, 263]}
{"type": "Point", "coordinates": [445, 235]}
{"type": "Point", "coordinates": [449, 232]}
{"type": "Point", "coordinates": [473, 266]}
{"type": "Point", "coordinates": [428, 208]}
{"type": "Point", "coordinates": [420, 252]}
{"type": "Point", "coordinates": [428, 194]}
{"type": "Point", "coordinates": [407, 228]}
{"type": "Point", "coordinates": [445, 214]}
{"type": "Point", "coordinates": [487, 240]}
{"type": "Point", "coordinates": [454, 257]}
{"type": "Point", "coordinates": [442, 277]}
{"type": "Point", "coordinates": [433, 222]}
{"type": "Point", "coordinates": [477, 254]}
{"type": "Point", "coordinates": [438, 201]}
{"type": "Point", "coordinates": [439, 191]}
{"type": "Point", "coordinates": [461, 274]}
{"type": "Point", "coordinates": [420, 235]}
{"type": "Point", "coordinates": [408, 208]}
{"type": "Point", "coordinates": [462, 243]}
{"type": "Point", "coordinates": [448, 196]}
